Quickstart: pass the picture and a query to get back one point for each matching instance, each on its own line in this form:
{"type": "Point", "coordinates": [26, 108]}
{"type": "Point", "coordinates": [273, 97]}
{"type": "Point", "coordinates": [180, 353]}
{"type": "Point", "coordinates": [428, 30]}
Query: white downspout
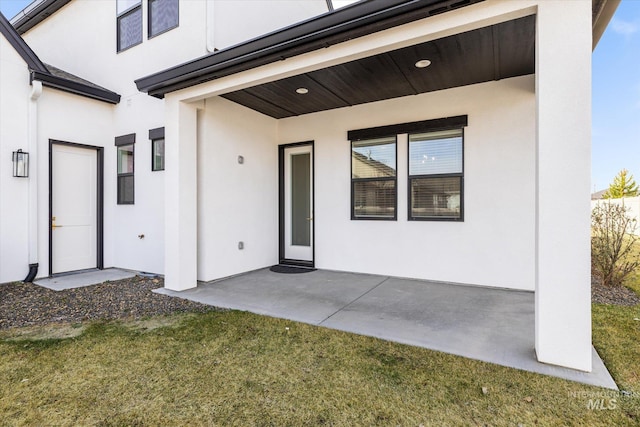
{"type": "Point", "coordinates": [211, 26]}
{"type": "Point", "coordinates": [36, 91]}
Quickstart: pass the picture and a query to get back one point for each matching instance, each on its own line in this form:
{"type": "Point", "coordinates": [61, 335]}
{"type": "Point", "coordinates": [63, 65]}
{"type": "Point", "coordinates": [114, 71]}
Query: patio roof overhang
{"type": "Point", "coordinates": [502, 50]}
{"type": "Point", "coordinates": [332, 28]}
{"type": "Point", "coordinates": [491, 53]}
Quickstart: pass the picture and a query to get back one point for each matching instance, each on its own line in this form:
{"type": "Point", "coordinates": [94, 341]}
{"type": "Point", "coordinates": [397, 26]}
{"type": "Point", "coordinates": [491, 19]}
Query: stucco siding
{"type": "Point", "coordinates": [494, 246]}
{"type": "Point", "coordinates": [236, 202]}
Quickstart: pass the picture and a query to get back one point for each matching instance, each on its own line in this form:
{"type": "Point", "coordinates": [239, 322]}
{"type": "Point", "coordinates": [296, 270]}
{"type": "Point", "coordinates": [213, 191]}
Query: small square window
{"type": "Point", "coordinates": [163, 16]}
{"type": "Point", "coordinates": [373, 179]}
{"type": "Point", "coordinates": [129, 23]}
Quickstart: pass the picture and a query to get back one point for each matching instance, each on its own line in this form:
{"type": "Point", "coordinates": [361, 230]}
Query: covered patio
{"type": "Point", "coordinates": [487, 324]}
{"type": "Point", "coordinates": [518, 71]}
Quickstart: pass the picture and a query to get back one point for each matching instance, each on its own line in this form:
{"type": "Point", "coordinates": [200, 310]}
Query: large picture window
{"type": "Point", "coordinates": [163, 16]}
{"type": "Point", "coordinates": [125, 153]}
{"type": "Point", "coordinates": [373, 179]}
{"type": "Point", "coordinates": [129, 23]}
{"type": "Point", "coordinates": [436, 175]}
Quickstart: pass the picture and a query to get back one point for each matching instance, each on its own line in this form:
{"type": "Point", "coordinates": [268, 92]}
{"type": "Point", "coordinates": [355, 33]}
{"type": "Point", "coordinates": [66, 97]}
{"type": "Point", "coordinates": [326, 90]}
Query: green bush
{"type": "Point", "coordinates": [612, 240]}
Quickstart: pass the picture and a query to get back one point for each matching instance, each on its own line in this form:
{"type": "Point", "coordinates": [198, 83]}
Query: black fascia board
{"type": "Point", "coordinates": [313, 34]}
{"type": "Point", "coordinates": [77, 88]}
{"type": "Point", "coordinates": [23, 49]}
{"type": "Point", "coordinates": [41, 12]}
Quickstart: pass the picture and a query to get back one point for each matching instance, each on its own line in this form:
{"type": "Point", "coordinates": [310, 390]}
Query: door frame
{"type": "Point", "coordinates": [281, 214]}
{"type": "Point", "coordinates": [99, 200]}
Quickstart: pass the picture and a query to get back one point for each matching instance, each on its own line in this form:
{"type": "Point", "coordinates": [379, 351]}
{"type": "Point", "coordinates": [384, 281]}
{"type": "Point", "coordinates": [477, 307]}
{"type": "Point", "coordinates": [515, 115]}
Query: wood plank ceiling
{"type": "Point", "coordinates": [491, 53]}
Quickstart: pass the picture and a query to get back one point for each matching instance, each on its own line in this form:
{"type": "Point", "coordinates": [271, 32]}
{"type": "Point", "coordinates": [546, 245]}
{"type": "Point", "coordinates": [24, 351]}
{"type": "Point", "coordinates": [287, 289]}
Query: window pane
{"type": "Point", "coordinates": [300, 199]}
{"type": "Point", "coordinates": [163, 15]}
{"type": "Point", "coordinates": [125, 159]}
{"type": "Point", "coordinates": [125, 189]}
{"type": "Point", "coordinates": [435, 197]}
{"type": "Point", "coordinates": [373, 158]}
{"type": "Point", "coordinates": [158, 155]}
{"type": "Point", "coordinates": [130, 29]}
{"type": "Point", "coordinates": [435, 153]}
{"type": "Point", "coordinates": [374, 199]}
{"type": "Point", "coordinates": [124, 5]}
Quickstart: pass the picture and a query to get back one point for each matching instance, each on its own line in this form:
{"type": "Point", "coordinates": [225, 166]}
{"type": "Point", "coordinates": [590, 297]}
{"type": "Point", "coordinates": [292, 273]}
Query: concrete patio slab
{"type": "Point", "coordinates": [86, 278]}
{"type": "Point", "coordinates": [492, 325]}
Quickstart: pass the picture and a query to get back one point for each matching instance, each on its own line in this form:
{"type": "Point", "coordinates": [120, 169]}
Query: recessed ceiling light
{"type": "Point", "coordinates": [423, 63]}
{"type": "Point", "coordinates": [302, 90]}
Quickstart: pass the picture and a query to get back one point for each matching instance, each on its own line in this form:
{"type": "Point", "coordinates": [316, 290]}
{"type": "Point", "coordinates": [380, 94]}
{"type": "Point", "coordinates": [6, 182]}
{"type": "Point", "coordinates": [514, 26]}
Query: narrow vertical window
{"type": "Point", "coordinates": [163, 16]}
{"type": "Point", "coordinates": [157, 149]}
{"type": "Point", "coordinates": [436, 175]}
{"type": "Point", "coordinates": [125, 161]}
{"type": "Point", "coordinates": [129, 23]}
{"type": "Point", "coordinates": [373, 179]}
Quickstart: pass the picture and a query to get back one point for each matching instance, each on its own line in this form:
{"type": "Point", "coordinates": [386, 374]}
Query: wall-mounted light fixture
{"type": "Point", "coordinates": [20, 164]}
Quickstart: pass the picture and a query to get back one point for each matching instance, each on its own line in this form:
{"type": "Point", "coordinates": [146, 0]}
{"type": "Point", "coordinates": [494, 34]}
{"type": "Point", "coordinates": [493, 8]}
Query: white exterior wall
{"type": "Point", "coordinates": [14, 125]}
{"type": "Point", "coordinates": [233, 21]}
{"type": "Point", "coordinates": [70, 118]}
{"type": "Point", "coordinates": [236, 202]}
{"type": "Point", "coordinates": [60, 116]}
{"type": "Point", "coordinates": [88, 49]}
{"type": "Point", "coordinates": [494, 246]}
{"type": "Point", "coordinates": [563, 139]}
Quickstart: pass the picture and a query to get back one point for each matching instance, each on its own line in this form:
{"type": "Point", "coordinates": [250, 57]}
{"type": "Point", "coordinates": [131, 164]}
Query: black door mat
{"type": "Point", "coordinates": [290, 269]}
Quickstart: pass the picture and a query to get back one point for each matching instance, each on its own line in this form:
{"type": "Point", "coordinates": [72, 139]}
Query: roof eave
{"type": "Point", "coordinates": [602, 19]}
{"type": "Point", "coordinates": [35, 13]}
{"type": "Point", "coordinates": [76, 88]}
{"type": "Point", "coordinates": [314, 34]}
{"type": "Point", "coordinates": [23, 49]}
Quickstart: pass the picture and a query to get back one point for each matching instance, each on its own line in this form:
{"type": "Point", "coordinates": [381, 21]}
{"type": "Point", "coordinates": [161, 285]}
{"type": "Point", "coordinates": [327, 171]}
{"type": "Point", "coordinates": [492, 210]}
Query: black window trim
{"type": "Point", "coordinates": [439, 175]}
{"type": "Point", "coordinates": [120, 141]}
{"type": "Point", "coordinates": [149, 35]}
{"type": "Point", "coordinates": [154, 135]}
{"type": "Point", "coordinates": [433, 125]}
{"type": "Point", "coordinates": [119, 16]}
{"type": "Point", "coordinates": [355, 180]}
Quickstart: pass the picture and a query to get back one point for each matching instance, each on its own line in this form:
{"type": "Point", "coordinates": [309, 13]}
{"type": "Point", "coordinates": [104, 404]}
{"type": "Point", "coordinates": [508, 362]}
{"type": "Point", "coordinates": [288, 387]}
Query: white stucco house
{"type": "Point", "coordinates": [427, 139]}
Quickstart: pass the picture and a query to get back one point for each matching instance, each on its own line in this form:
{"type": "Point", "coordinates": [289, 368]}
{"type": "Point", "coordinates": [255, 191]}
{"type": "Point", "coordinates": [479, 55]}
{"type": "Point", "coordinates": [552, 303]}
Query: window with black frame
{"type": "Point", "coordinates": [129, 23]}
{"type": "Point", "coordinates": [163, 16]}
{"type": "Point", "coordinates": [373, 179]}
{"type": "Point", "coordinates": [125, 161]}
{"type": "Point", "coordinates": [436, 175]}
{"type": "Point", "coordinates": [157, 149]}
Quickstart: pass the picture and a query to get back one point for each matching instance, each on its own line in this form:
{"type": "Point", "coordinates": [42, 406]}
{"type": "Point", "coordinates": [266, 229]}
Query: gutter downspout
{"type": "Point", "coordinates": [32, 214]}
{"type": "Point", "coordinates": [211, 24]}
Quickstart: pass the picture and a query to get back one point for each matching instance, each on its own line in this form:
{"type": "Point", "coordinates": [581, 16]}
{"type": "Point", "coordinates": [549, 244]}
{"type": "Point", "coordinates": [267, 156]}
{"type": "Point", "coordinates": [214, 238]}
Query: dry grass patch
{"type": "Point", "coordinates": [234, 368]}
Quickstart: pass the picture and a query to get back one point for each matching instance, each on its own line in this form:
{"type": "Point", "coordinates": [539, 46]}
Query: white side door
{"type": "Point", "coordinates": [74, 208]}
{"type": "Point", "coordinates": [298, 203]}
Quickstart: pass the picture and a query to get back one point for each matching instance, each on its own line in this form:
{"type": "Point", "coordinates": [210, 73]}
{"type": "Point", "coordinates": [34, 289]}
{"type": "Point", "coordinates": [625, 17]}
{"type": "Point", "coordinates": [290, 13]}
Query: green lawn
{"type": "Point", "coordinates": [234, 368]}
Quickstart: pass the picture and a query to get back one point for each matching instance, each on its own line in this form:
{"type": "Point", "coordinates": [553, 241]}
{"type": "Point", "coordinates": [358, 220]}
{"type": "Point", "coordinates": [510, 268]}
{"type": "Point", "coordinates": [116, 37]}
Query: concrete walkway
{"type": "Point", "coordinates": [85, 278]}
{"type": "Point", "coordinates": [492, 325]}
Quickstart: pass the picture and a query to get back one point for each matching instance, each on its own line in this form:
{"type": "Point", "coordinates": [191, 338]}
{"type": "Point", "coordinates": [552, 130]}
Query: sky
{"type": "Point", "coordinates": [616, 93]}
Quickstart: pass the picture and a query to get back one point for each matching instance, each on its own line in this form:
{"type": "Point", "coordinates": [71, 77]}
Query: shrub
{"type": "Point", "coordinates": [612, 240]}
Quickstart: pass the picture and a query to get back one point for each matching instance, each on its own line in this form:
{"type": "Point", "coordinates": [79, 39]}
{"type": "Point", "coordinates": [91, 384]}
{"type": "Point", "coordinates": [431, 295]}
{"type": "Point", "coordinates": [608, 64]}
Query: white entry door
{"type": "Point", "coordinates": [298, 203]}
{"type": "Point", "coordinates": [74, 209]}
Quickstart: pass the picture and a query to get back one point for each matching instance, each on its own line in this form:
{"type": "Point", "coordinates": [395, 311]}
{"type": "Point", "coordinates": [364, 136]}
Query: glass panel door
{"type": "Point", "coordinates": [298, 203]}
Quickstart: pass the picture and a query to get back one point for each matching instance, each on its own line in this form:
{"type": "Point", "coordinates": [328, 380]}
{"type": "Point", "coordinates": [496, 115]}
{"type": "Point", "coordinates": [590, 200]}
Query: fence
{"type": "Point", "coordinates": [631, 203]}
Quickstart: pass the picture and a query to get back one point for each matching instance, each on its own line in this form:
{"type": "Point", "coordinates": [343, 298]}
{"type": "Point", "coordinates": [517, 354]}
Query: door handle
{"type": "Point", "coordinates": [56, 226]}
